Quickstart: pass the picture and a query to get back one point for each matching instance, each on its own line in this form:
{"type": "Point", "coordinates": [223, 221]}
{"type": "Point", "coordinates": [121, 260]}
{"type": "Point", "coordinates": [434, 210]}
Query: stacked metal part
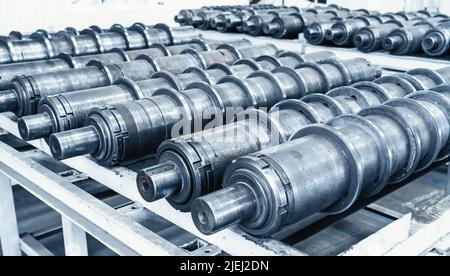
{"type": "Point", "coordinates": [408, 40]}
{"type": "Point", "coordinates": [323, 167]}
{"type": "Point", "coordinates": [292, 25]}
{"type": "Point", "coordinates": [27, 91]}
{"type": "Point", "coordinates": [69, 111]}
{"type": "Point", "coordinates": [132, 130]}
{"type": "Point", "coordinates": [437, 41]}
{"type": "Point", "coordinates": [190, 17]}
{"type": "Point", "coordinates": [89, 41]}
{"type": "Point", "coordinates": [17, 35]}
{"type": "Point", "coordinates": [343, 33]}
{"type": "Point", "coordinates": [194, 165]}
{"type": "Point", "coordinates": [279, 22]}
{"type": "Point", "coordinates": [203, 18]}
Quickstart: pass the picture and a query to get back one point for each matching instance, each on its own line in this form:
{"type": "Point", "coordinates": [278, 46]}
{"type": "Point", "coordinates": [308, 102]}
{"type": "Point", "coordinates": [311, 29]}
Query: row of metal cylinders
{"type": "Point", "coordinates": [420, 33]}
{"type": "Point", "coordinates": [42, 45]}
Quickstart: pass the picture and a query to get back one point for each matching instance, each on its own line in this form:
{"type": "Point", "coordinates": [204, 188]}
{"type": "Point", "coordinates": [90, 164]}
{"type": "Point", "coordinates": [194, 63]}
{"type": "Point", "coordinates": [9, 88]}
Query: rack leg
{"type": "Point", "coordinates": [9, 231]}
{"type": "Point", "coordinates": [75, 241]}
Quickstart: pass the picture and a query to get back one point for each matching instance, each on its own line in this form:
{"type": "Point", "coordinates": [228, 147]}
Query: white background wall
{"type": "Point", "coordinates": [29, 15]}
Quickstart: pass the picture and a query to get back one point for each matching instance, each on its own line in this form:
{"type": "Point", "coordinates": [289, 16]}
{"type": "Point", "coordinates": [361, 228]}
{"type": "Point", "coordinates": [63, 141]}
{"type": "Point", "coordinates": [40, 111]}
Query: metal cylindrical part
{"type": "Point", "coordinates": [168, 112]}
{"type": "Point", "coordinates": [40, 47]}
{"type": "Point", "coordinates": [30, 89]}
{"type": "Point", "coordinates": [69, 111]}
{"type": "Point", "coordinates": [437, 41]}
{"type": "Point", "coordinates": [370, 39]}
{"type": "Point", "coordinates": [238, 201]}
{"type": "Point", "coordinates": [284, 179]}
{"type": "Point", "coordinates": [342, 33]}
{"type": "Point", "coordinates": [36, 127]}
{"type": "Point", "coordinates": [75, 143]}
{"type": "Point", "coordinates": [260, 131]}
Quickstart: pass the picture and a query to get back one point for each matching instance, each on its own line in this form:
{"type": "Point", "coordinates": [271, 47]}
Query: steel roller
{"type": "Point", "coordinates": [29, 90]}
{"type": "Point", "coordinates": [142, 125]}
{"type": "Point", "coordinates": [408, 40]}
{"type": "Point", "coordinates": [69, 111]}
{"type": "Point", "coordinates": [327, 168]}
{"type": "Point", "coordinates": [194, 165]}
{"type": "Point", "coordinates": [89, 41]}
{"type": "Point", "coordinates": [64, 62]}
{"type": "Point", "coordinates": [342, 33]}
{"type": "Point", "coordinates": [371, 38]}
{"type": "Point", "coordinates": [254, 25]}
{"type": "Point", "coordinates": [235, 22]}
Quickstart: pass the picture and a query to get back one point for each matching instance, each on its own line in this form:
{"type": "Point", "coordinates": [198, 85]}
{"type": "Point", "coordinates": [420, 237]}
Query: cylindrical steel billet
{"type": "Point", "coordinates": [69, 111]}
{"type": "Point", "coordinates": [327, 168]}
{"type": "Point", "coordinates": [169, 113]}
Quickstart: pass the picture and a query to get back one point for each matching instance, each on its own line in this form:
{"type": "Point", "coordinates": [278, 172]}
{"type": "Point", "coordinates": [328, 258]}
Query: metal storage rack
{"type": "Point", "coordinates": [428, 233]}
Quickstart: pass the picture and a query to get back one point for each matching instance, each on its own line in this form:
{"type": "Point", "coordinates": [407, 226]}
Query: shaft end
{"type": "Point", "coordinates": [8, 101]}
{"type": "Point", "coordinates": [222, 209]}
{"type": "Point", "coordinates": [159, 182]}
{"type": "Point", "coordinates": [35, 126]}
{"type": "Point", "coordinates": [271, 28]}
{"type": "Point", "coordinates": [74, 143]}
{"type": "Point", "coordinates": [392, 43]}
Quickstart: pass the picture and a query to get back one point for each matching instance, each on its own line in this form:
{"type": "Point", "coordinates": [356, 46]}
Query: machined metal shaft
{"type": "Point", "coordinates": [370, 39]}
{"type": "Point", "coordinates": [327, 168]}
{"type": "Point", "coordinates": [408, 40]}
{"type": "Point", "coordinates": [69, 111]}
{"type": "Point", "coordinates": [29, 90]}
{"type": "Point", "coordinates": [89, 41]}
{"type": "Point", "coordinates": [342, 33]}
{"type": "Point", "coordinates": [64, 62]}
{"type": "Point", "coordinates": [437, 41]}
{"type": "Point", "coordinates": [292, 25]}
{"type": "Point", "coordinates": [197, 162]}
{"type": "Point", "coordinates": [140, 126]}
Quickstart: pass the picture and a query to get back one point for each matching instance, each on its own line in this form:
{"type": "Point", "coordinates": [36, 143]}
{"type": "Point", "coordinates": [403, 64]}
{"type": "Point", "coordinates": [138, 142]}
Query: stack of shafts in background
{"type": "Point", "coordinates": [201, 18]}
{"type": "Point", "coordinates": [400, 33]}
{"type": "Point", "coordinates": [342, 32]}
{"type": "Point", "coordinates": [90, 41]}
{"type": "Point", "coordinates": [26, 91]}
{"type": "Point", "coordinates": [132, 130]}
{"type": "Point", "coordinates": [185, 162]}
{"type": "Point", "coordinates": [63, 61]}
{"type": "Point", "coordinates": [319, 168]}
{"type": "Point", "coordinates": [17, 35]}
{"type": "Point", "coordinates": [437, 41]}
{"type": "Point", "coordinates": [279, 22]}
